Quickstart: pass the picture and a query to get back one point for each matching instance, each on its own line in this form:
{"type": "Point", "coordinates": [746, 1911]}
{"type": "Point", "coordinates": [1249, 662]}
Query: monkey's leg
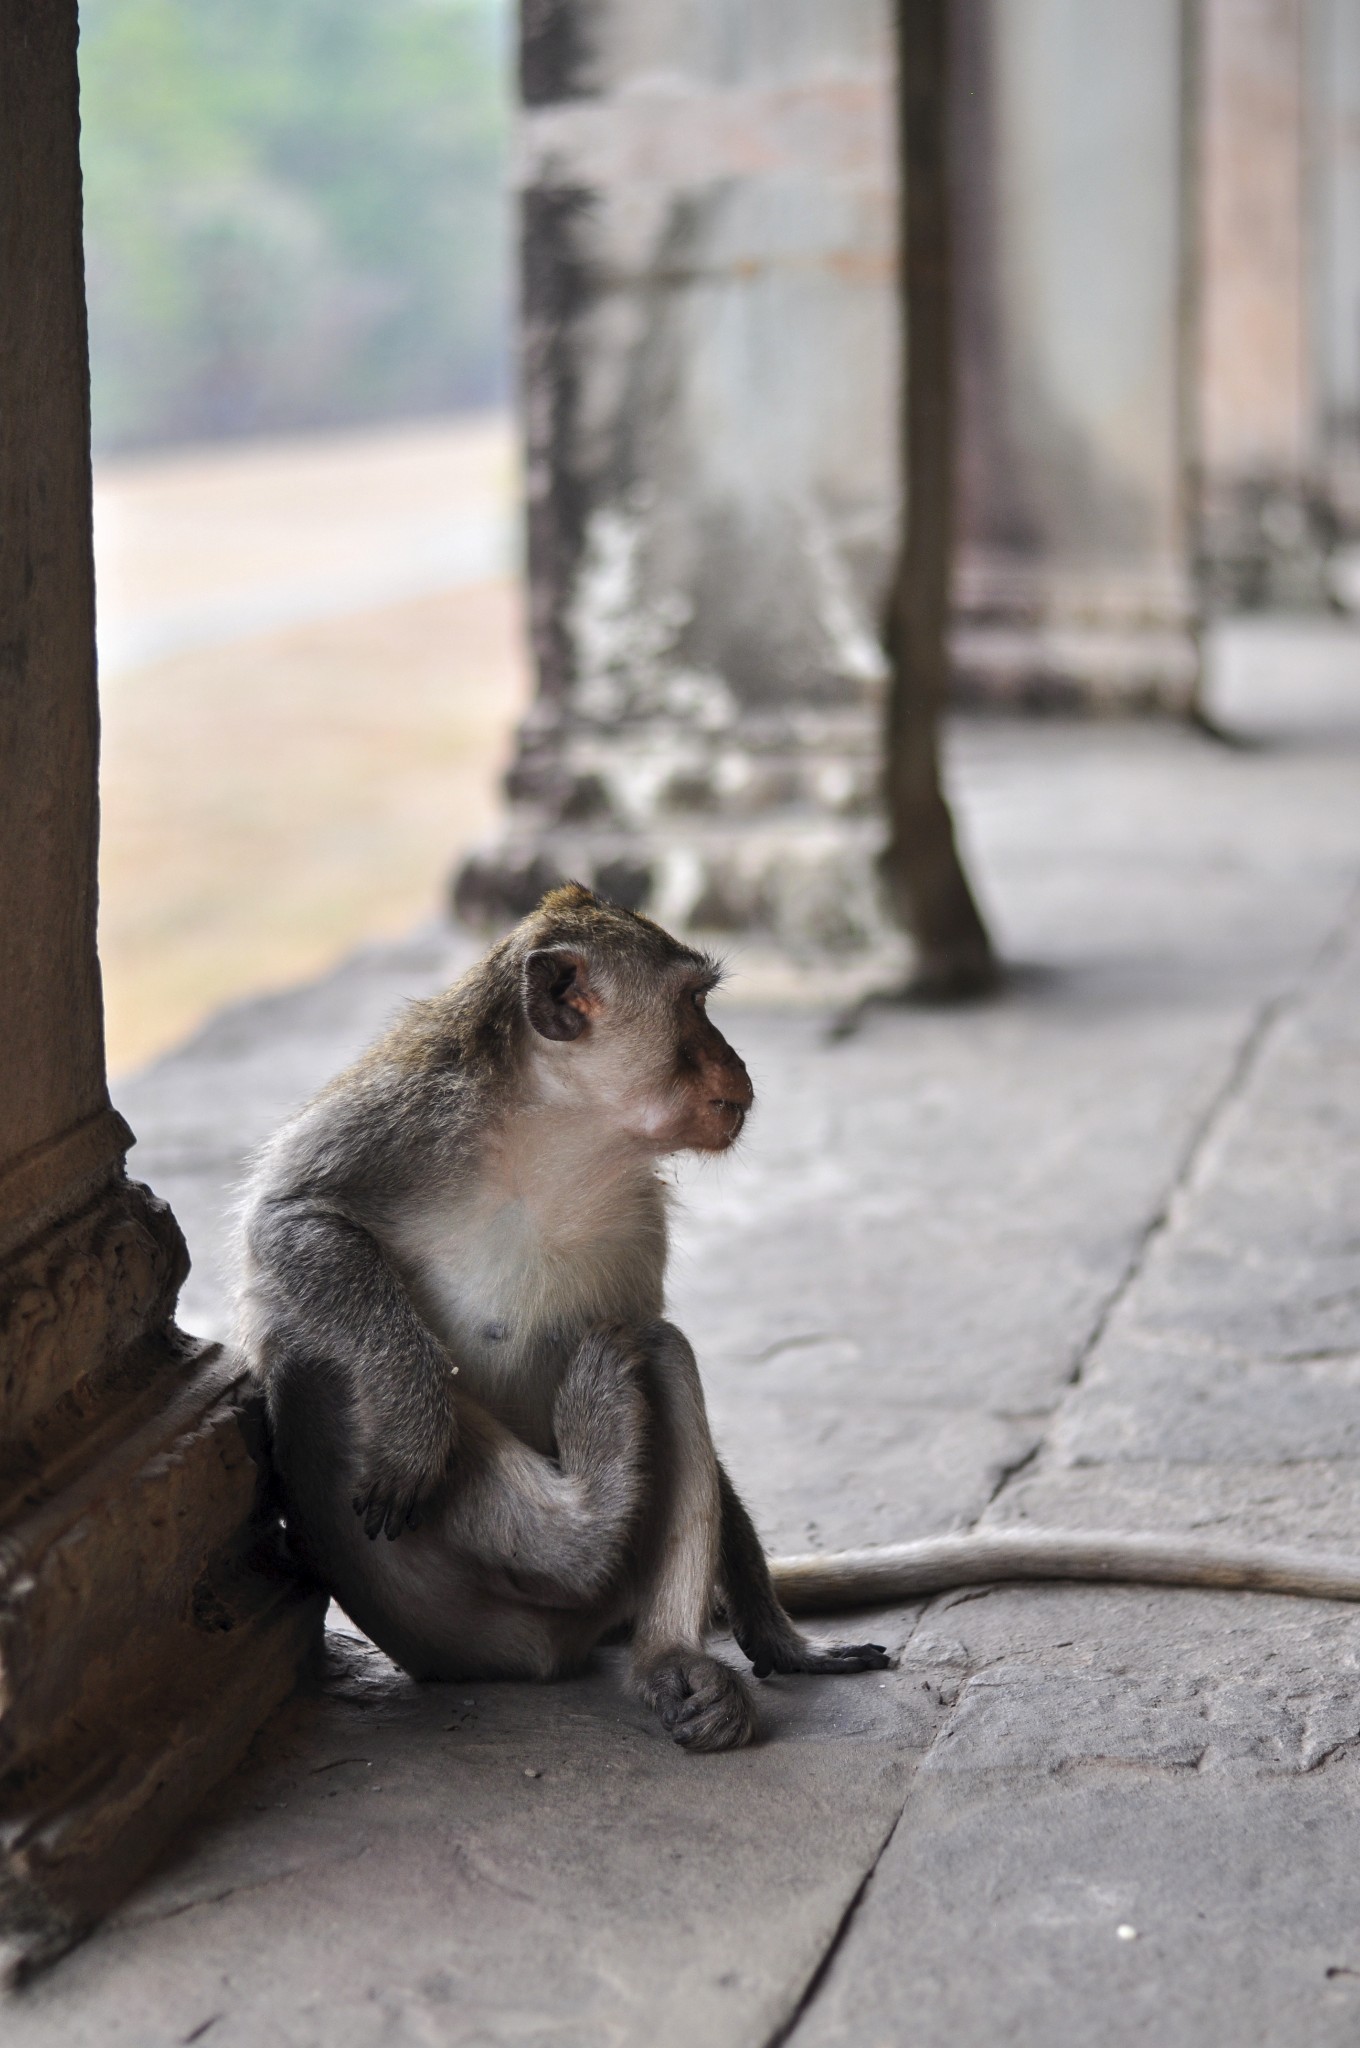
{"type": "Point", "coordinates": [522, 1563]}
{"type": "Point", "coordinates": [700, 1701]}
{"type": "Point", "coordinates": [560, 1529]}
{"type": "Point", "coordinates": [759, 1623]}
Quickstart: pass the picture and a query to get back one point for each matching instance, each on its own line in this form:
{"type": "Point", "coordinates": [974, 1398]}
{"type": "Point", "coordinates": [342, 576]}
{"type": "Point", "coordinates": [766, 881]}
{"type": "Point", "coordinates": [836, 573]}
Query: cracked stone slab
{"type": "Point", "coordinates": [1239, 1343]}
{"type": "Point", "coordinates": [1103, 1905]}
{"type": "Point", "coordinates": [1306, 1501]}
{"type": "Point", "coordinates": [1134, 1676]}
{"type": "Point", "coordinates": [499, 1864]}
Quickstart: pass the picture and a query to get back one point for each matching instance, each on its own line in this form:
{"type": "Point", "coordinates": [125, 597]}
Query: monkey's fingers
{"type": "Point", "coordinates": [816, 1659]}
{"type": "Point", "coordinates": [374, 1514]}
{"type": "Point", "coordinates": [397, 1517]}
{"type": "Point", "coordinates": [831, 1658]}
{"type": "Point", "coordinates": [382, 1511]}
{"type": "Point", "coordinates": [702, 1704]}
{"type": "Point", "coordinates": [713, 1718]}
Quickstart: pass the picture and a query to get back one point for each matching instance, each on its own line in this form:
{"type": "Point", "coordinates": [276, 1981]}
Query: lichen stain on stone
{"type": "Point", "coordinates": [854, 649]}
{"type": "Point", "coordinates": [626, 641]}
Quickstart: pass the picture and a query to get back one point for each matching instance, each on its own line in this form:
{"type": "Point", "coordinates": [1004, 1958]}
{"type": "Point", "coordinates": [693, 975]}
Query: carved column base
{"type": "Point", "coordinates": [148, 1619]}
{"type": "Point", "coordinates": [1266, 544]}
{"type": "Point", "coordinates": [1031, 636]}
{"type": "Point", "coordinates": [768, 830]}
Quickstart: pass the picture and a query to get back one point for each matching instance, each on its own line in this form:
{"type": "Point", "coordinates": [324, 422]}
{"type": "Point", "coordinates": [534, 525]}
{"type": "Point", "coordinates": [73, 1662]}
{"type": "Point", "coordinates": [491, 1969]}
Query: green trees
{"type": "Point", "coordinates": [295, 211]}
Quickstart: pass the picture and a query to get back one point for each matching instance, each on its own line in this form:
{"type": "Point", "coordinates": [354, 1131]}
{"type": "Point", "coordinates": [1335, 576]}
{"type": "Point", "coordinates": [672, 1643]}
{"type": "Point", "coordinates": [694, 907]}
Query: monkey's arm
{"type": "Point", "coordinates": [762, 1628]}
{"type": "Point", "coordinates": [334, 1290]}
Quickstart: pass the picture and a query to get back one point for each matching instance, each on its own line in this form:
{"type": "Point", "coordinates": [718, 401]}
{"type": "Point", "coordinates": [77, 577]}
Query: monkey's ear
{"type": "Point", "coordinates": [558, 1000]}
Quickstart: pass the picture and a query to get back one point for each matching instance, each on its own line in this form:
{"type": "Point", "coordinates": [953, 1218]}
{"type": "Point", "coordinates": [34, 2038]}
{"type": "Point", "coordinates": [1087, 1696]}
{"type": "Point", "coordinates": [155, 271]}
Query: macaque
{"type": "Point", "coordinates": [493, 1447]}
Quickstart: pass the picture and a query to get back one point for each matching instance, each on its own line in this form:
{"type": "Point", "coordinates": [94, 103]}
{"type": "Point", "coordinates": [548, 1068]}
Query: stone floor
{"type": "Point", "coordinates": [1090, 1256]}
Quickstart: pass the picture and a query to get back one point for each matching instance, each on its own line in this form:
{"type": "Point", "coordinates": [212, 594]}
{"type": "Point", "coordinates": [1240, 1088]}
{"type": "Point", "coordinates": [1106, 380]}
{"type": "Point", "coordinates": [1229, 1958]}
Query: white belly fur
{"type": "Point", "coordinates": [510, 1275]}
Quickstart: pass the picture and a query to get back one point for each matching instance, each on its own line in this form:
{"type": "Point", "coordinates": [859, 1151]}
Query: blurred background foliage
{"type": "Point", "coordinates": [295, 212]}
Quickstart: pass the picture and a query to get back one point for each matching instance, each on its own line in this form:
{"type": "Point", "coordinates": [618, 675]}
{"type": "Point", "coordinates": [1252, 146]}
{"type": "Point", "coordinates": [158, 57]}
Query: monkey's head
{"type": "Point", "coordinates": [615, 1009]}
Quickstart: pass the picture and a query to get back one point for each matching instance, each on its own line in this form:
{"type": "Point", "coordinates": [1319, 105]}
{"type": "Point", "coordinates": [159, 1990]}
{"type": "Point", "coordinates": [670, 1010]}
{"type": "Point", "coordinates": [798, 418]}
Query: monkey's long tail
{"type": "Point", "coordinates": [903, 1571]}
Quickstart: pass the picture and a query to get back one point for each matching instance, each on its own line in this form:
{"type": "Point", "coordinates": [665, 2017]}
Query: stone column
{"type": "Point", "coordinates": [146, 1625]}
{"type": "Point", "coordinates": [1263, 528]}
{"type": "Point", "coordinates": [710, 372]}
{"type": "Point", "coordinates": [1072, 576]}
{"type": "Point", "coordinates": [1333, 236]}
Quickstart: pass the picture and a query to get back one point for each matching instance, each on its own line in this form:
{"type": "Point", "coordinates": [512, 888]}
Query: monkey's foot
{"type": "Point", "coordinates": [702, 1704]}
{"type": "Point", "coordinates": [819, 1659]}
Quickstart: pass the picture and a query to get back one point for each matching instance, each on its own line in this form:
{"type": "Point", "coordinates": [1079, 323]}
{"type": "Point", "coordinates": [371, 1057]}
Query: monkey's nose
{"type": "Point", "coordinates": [737, 1087]}
{"type": "Point", "coordinates": [733, 1121]}
{"type": "Point", "coordinates": [734, 1102]}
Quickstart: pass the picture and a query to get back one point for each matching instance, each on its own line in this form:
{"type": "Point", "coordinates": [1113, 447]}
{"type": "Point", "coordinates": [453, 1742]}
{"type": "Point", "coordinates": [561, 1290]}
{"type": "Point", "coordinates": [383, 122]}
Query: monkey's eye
{"type": "Point", "coordinates": [698, 996]}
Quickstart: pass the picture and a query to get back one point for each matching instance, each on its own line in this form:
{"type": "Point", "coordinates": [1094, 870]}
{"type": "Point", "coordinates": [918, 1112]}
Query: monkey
{"type": "Point", "coordinates": [492, 1447]}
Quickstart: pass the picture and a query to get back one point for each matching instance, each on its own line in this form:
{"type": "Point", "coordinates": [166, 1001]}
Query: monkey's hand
{"type": "Point", "coordinates": [407, 1445]}
{"type": "Point", "coordinates": [786, 1650]}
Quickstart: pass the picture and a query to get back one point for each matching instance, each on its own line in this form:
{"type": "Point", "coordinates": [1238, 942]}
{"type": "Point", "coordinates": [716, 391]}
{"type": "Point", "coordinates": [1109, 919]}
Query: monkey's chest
{"type": "Point", "coordinates": [510, 1287]}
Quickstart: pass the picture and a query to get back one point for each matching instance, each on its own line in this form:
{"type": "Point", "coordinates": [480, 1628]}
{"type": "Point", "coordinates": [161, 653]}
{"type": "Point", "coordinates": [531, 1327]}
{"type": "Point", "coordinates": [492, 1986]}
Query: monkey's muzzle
{"type": "Point", "coordinates": [730, 1117]}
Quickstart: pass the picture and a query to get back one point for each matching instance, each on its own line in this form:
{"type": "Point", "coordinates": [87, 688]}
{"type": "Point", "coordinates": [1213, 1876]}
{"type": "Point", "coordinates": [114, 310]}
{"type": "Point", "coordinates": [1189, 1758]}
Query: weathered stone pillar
{"type": "Point", "coordinates": [1264, 531]}
{"type": "Point", "coordinates": [710, 371]}
{"type": "Point", "coordinates": [1333, 235]}
{"type": "Point", "coordinates": [1072, 576]}
{"type": "Point", "coordinates": [146, 1627]}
